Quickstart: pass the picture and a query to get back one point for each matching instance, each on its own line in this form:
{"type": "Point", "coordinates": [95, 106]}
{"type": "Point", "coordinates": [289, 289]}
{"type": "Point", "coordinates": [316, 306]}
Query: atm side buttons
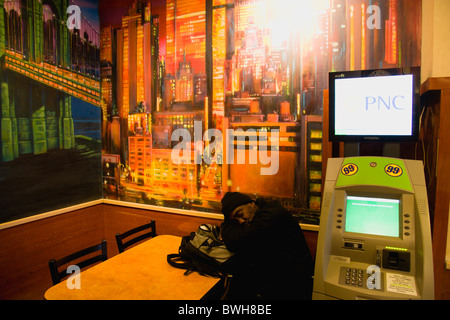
{"type": "Point", "coordinates": [339, 218]}
{"type": "Point", "coordinates": [406, 225]}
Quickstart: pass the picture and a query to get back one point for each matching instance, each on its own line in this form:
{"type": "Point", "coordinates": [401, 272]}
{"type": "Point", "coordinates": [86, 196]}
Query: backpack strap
{"type": "Point", "coordinates": [177, 261]}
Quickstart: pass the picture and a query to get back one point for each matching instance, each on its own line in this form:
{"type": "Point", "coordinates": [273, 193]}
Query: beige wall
{"type": "Point", "coordinates": [435, 39]}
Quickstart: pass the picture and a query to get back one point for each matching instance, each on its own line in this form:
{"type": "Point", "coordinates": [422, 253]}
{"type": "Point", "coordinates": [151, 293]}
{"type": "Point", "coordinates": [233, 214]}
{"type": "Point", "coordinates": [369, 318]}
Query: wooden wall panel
{"type": "Point", "coordinates": [121, 219]}
{"type": "Point", "coordinates": [311, 239]}
{"type": "Point", "coordinates": [446, 285]}
{"type": "Point", "coordinates": [25, 249]}
{"type": "Point", "coordinates": [435, 94]}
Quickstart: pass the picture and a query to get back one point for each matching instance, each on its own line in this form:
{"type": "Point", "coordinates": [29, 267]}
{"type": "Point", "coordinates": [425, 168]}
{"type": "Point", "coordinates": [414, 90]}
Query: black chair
{"type": "Point", "coordinates": [53, 264]}
{"type": "Point", "coordinates": [121, 245]}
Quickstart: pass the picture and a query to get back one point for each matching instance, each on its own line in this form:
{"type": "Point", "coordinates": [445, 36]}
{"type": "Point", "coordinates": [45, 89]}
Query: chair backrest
{"type": "Point", "coordinates": [53, 264]}
{"type": "Point", "coordinates": [121, 245]}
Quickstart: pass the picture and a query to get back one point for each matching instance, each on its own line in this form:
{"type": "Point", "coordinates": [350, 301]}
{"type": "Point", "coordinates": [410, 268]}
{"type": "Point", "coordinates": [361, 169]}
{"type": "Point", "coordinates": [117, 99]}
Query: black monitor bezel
{"type": "Point", "coordinates": [333, 137]}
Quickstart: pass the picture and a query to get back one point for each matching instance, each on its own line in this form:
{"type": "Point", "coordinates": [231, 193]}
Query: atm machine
{"type": "Point", "coordinates": [374, 236]}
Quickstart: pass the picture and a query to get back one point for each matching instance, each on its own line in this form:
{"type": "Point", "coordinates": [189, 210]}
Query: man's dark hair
{"type": "Point", "coordinates": [232, 200]}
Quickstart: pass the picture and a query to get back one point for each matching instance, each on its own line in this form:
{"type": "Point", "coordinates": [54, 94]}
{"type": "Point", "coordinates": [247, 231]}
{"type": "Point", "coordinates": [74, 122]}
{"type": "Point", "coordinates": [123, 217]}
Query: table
{"type": "Point", "coordinates": [141, 272]}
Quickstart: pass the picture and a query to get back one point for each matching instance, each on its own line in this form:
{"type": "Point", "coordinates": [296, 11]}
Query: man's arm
{"type": "Point", "coordinates": [242, 237]}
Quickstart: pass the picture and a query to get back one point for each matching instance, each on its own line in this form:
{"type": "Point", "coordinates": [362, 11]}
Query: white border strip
{"type": "Point", "coordinates": [185, 212]}
{"type": "Point", "coordinates": [83, 205]}
{"type": "Point", "coordinates": [309, 227]}
{"type": "Point", "coordinates": [49, 214]}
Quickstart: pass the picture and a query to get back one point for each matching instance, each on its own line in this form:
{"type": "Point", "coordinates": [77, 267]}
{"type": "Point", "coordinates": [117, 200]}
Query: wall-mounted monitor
{"type": "Point", "coordinates": [374, 105]}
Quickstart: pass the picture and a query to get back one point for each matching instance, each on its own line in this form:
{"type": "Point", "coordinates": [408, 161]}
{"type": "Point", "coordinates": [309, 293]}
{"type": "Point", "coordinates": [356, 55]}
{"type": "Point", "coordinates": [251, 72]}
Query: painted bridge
{"type": "Point", "coordinates": [43, 63]}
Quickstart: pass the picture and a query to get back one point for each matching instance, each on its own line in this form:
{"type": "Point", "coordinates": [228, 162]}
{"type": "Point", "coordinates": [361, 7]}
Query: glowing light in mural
{"type": "Point", "coordinates": [266, 73]}
{"type": "Point", "coordinates": [291, 15]}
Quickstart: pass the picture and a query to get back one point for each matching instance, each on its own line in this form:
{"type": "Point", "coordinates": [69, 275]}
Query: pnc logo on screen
{"type": "Point", "coordinates": [379, 102]}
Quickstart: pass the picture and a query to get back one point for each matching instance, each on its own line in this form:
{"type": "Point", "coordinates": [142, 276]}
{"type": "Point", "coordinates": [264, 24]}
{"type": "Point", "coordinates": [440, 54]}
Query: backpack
{"type": "Point", "coordinates": [203, 251]}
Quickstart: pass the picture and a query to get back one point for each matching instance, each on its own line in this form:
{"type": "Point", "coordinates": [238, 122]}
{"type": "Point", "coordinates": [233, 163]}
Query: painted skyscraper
{"type": "Point", "coordinates": [135, 40]}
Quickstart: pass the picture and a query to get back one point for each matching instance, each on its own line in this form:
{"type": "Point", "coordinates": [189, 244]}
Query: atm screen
{"type": "Point", "coordinates": [375, 216]}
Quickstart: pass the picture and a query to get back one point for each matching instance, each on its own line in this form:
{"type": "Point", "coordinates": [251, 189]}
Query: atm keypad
{"type": "Point", "coordinates": [353, 277]}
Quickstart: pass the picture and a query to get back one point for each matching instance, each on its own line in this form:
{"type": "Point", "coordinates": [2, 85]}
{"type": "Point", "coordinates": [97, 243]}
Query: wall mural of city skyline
{"type": "Point", "coordinates": [171, 103]}
{"type": "Point", "coordinates": [253, 68]}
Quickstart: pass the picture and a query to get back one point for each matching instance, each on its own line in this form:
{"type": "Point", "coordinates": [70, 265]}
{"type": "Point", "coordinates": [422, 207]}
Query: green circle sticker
{"type": "Point", "coordinates": [393, 170]}
{"type": "Point", "coordinates": [349, 169]}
